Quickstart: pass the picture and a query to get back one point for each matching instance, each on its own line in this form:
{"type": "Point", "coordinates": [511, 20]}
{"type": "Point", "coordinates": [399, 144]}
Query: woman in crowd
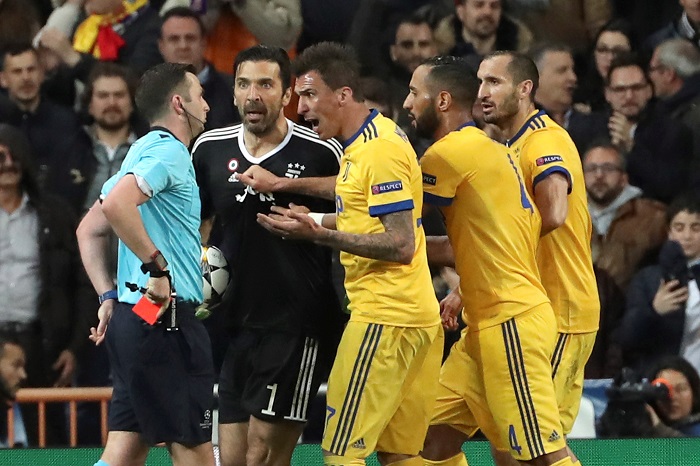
{"type": "Point", "coordinates": [679, 414]}
{"type": "Point", "coordinates": [614, 38]}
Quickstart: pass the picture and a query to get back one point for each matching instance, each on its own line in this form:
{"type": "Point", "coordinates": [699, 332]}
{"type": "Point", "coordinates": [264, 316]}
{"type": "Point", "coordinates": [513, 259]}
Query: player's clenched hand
{"type": "Point", "coordinates": [104, 314]}
{"type": "Point", "coordinates": [450, 307]}
{"type": "Point", "coordinates": [293, 223]}
{"type": "Point", "coordinates": [259, 179]}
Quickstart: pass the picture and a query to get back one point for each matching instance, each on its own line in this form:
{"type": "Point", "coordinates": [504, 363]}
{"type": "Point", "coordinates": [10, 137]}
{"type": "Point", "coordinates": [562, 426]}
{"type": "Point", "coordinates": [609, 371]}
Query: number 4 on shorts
{"type": "Point", "coordinates": [513, 439]}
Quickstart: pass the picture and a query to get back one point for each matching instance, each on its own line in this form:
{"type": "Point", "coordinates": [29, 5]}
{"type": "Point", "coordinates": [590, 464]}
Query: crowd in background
{"type": "Point", "coordinates": [623, 77]}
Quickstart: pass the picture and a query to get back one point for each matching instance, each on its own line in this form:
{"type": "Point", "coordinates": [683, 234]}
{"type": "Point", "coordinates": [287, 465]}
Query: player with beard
{"type": "Point", "coordinates": [281, 308]}
{"type": "Point", "coordinates": [554, 179]}
{"type": "Point", "coordinates": [493, 230]}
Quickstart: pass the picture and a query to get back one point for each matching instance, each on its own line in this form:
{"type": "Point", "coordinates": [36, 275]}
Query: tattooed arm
{"type": "Point", "coordinates": [396, 244]}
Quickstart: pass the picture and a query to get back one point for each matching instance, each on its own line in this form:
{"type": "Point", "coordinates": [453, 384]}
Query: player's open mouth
{"type": "Point", "coordinates": [313, 122]}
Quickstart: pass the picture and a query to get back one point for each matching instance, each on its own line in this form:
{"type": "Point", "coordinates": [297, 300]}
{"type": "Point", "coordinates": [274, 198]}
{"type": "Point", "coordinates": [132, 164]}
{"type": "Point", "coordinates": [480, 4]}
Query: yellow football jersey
{"type": "Point", "coordinates": [564, 255]}
{"type": "Point", "coordinates": [491, 221]}
{"type": "Point", "coordinates": [379, 175]}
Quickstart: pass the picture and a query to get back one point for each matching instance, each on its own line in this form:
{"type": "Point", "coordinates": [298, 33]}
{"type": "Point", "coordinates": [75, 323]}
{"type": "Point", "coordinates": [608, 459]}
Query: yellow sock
{"type": "Point", "coordinates": [458, 460]}
{"type": "Point", "coordinates": [331, 460]}
{"type": "Point", "coordinates": [566, 462]}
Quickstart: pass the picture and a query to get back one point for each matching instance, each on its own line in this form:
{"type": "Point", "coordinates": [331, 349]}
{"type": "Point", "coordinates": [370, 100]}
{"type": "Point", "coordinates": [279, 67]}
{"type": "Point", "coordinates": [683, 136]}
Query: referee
{"type": "Point", "coordinates": [162, 372]}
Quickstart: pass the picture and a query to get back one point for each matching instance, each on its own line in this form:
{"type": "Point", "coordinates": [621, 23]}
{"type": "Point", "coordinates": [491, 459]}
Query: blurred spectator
{"type": "Point", "coordinates": [240, 24]}
{"type": "Point", "coordinates": [555, 92]}
{"type": "Point", "coordinates": [413, 42]}
{"type": "Point", "coordinates": [628, 230]}
{"type": "Point", "coordinates": [326, 20]}
{"type": "Point", "coordinates": [685, 26]}
{"type": "Point", "coordinates": [657, 149]}
{"type": "Point", "coordinates": [53, 130]}
{"type": "Point", "coordinates": [373, 29]}
{"type": "Point", "coordinates": [19, 22]}
{"type": "Point", "coordinates": [12, 375]}
{"type": "Point", "coordinates": [646, 16]}
{"type": "Point", "coordinates": [108, 101]}
{"type": "Point", "coordinates": [677, 415]}
{"type": "Point", "coordinates": [479, 27]}
{"type": "Point", "coordinates": [376, 94]}
{"type": "Point", "coordinates": [572, 22]}
{"type": "Point", "coordinates": [122, 31]}
{"type": "Point", "coordinates": [182, 41]}
{"type": "Point", "coordinates": [42, 277]}
{"type": "Point", "coordinates": [663, 301]}
{"type": "Point", "coordinates": [674, 70]}
{"type": "Point", "coordinates": [614, 38]}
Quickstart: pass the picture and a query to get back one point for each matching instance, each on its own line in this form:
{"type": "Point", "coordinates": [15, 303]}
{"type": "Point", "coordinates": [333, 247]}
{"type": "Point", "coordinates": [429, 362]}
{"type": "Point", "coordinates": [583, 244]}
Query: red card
{"type": "Point", "coordinates": [146, 310]}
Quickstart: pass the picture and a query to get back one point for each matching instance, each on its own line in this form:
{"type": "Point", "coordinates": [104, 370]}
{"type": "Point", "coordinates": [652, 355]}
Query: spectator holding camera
{"type": "Point", "coordinates": [677, 415]}
{"type": "Point", "coordinates": [663, 302]}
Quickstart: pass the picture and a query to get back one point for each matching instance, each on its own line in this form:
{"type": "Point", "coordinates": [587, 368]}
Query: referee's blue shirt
{"type": "Point", "coordinates": [171, 216]}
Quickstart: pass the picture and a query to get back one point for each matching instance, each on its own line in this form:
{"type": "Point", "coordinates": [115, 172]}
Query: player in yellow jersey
{"type": "Point", "coordinates": [498, 375]}
{"type": "Point", "coordinates": [385, 375]}
{"type": "Point", "coordinates": [554, 178]}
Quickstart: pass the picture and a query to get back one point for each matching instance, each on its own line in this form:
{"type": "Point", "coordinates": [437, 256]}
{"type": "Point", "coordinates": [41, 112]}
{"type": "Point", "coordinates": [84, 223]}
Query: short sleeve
{"type": "Point", "coordinates": [547, 153]}
{"type": "Point", "coordinates": [440, 179]}
{"type": "Point", "coordinates": [388, 179]}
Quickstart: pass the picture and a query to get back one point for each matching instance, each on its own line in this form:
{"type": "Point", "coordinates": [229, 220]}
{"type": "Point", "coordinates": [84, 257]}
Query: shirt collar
{"type": "Point", "coordinates": [526, 125]}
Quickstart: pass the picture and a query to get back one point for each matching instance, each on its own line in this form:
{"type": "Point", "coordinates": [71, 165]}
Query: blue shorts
{"type": "Point", "coordinates": [163, 380]}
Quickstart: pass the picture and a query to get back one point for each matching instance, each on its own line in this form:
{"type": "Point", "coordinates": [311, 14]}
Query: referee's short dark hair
{"type": "Point", "coordinates": [158, 85]}
{"type": "Point", "coordinates": [454, 75]}
{"type": "Point", "coordinates": [337, 64]}
{"type": "Point", "coordinates": [258, 53]}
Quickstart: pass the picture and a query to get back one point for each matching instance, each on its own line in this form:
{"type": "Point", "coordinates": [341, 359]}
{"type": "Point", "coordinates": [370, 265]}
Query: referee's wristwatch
{"type": "Point", "coordinates": [111, 294]}
{"type": "Point", "coordinates": [156, 268]}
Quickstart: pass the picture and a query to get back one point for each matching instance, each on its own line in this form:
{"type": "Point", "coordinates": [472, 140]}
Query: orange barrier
{"type": "Point", "coordinates": [72, 396]}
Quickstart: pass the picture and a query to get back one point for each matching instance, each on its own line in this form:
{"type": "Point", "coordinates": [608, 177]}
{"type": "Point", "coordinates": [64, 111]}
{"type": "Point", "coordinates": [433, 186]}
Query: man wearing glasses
{"type": "Point", "coordinates": [626, 226]}
{"type": "Point", "coordinates": [657, 149]}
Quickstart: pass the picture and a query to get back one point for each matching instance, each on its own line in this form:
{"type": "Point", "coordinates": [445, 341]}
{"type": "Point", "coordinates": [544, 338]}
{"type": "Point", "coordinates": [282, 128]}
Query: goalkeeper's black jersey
{"type": "Point", "coordinates": [276, 284]}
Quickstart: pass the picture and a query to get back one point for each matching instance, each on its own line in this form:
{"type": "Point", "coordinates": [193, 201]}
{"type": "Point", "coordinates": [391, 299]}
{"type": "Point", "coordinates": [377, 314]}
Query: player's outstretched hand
{"type": "Point", "coordinates": [450, 307]}
{"type": "Point", "coordinates": [259, 179]}
{"type": "Point", "coordinates": [292, 223]}
{"type": "Point", "coordinates": [104, 313]}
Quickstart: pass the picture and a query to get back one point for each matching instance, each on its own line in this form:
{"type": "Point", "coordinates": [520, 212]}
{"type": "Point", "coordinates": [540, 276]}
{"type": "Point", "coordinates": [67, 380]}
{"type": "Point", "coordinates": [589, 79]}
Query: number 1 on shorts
{"type": "Point", "coordinates": [268, 410]}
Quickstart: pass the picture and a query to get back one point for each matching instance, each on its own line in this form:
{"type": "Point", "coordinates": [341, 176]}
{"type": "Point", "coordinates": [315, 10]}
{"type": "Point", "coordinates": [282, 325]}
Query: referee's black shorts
{"type": "Point", "coordinates": [163, 380]}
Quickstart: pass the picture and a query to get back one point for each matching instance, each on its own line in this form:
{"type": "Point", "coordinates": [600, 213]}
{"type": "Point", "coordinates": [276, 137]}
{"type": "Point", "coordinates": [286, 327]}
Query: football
{"type": "Point", "coordinates": [216, 276]}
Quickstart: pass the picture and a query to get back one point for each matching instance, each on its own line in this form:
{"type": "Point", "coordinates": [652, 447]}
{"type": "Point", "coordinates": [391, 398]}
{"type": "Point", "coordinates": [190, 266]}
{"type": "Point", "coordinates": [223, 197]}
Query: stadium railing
{"type": "Point", "coordinates": [72, 396]}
